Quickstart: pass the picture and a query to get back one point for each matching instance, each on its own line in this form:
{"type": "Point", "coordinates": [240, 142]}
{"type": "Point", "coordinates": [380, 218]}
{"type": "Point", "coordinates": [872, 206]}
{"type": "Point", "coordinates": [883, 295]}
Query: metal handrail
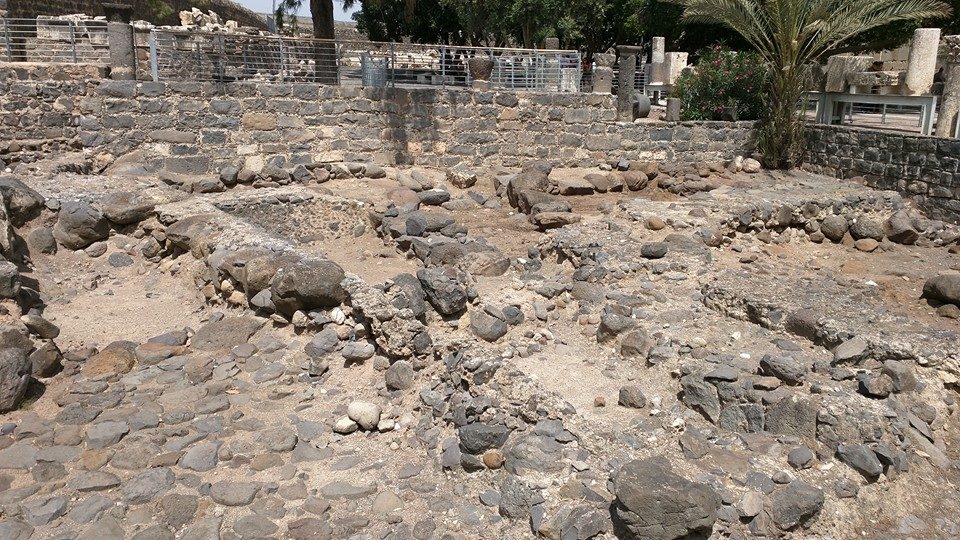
{"type": "Point", "coordinates": [54, 40]}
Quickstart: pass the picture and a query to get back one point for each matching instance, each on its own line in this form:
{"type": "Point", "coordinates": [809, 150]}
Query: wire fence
{"type": "Point", "coordinates": [54, 40]}
{"type": "Point", "coordinates": [180, 55]}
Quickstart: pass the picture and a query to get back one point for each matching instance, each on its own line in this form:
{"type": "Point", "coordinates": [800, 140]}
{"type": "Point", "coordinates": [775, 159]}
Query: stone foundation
{"type": "Point", "coordinates": [194, 128]}
{"type": "Point", "coordinates": [925, 169]}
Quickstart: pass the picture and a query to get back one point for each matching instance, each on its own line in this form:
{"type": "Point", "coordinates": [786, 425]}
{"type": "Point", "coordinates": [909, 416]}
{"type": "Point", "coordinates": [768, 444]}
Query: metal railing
{"type": "Point", "coordinates": [203, 56]}
{"type": "Point", "coordinates": [53, 40]}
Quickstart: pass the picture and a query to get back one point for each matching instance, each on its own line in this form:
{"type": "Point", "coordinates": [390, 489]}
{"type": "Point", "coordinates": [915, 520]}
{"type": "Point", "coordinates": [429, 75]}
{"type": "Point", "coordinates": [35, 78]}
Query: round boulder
{"type": "Point", "coordinates": [308, 284]}
{"type": "Point", "coordinates": [79, 225]}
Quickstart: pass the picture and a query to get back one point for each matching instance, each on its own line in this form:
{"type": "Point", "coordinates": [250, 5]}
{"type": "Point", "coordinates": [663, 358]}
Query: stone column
{"type": "Point", "coordinates": [551, 43]}
{"type": "Point", "coordinates": [602, 80]}
{"type": "Point", "coordinates": [123, 54]}
{"type": "Point", "coordinates": [950, 108]}
{"type": "Point", "coordinates": [673, 110]}
{"type": "Point", "coordinates": [625, 91]}
{"type": "Point", "coordinates": [658, 51]}
{"type": "Point", "coordinates": [673, 66]}
{"type": "Point", "coordinates": [922, 62]}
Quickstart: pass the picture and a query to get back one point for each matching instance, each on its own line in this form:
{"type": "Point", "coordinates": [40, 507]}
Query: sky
{"type": "Point", "coordinates": [266, 6]}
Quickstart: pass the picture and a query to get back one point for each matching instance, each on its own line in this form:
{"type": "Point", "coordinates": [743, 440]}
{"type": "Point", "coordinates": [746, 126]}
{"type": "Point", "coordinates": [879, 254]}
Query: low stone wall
{"type": "Point", "coordinates": [193, 128]}
{"type": "Point", "coordinates": [925, 169]}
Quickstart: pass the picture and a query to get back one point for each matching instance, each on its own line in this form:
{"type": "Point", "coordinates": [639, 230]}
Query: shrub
{"type": "Point", "coordinates": [723, 78]}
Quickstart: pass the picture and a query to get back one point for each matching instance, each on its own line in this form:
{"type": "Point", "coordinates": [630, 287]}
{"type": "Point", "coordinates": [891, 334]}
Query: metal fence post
{"type": "Point", "coordinates": [393, 65]}
{"type": "Point", "coordinates": [443, 66]}
{"type": "Point", "coordinates": [73, 41]}
{"type": "Point", "coordinates": [154, 62]}
{"type": "Point", "coordinates": [6, 40]}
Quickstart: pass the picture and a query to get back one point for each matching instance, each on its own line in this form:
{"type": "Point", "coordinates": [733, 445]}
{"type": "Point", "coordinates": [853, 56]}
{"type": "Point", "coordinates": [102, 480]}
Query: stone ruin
{"type": "Point", "coordinates": [282, 312]}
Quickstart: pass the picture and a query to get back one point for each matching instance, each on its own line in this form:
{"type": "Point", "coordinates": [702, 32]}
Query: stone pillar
{"type": "Point", "coordinates": [673, 110]}
{"type": "Point", "coordinates": [673, 65]}
{"type": "Point", "coordinates": [551, 43]}
{"type": "Point", "coordinates": [625, 91]}
{"type": "Point", "coordinates": [123, 54]}
{"type": "Point", "coordinates": [840, 66]}
{"type": "Point", "coordinates": [602, 80]}
{"type": "Point", "coordinates": [658, 51]}
{"type": "Point", "coordinates": [950, 108]}
{"type": "Point", "coordinates": [922, 63]}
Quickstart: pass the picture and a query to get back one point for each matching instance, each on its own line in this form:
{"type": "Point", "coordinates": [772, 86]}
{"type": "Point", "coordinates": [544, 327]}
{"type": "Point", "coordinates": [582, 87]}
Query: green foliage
{"type": "Point", "coordinates": [788, 34]}
{"type": "Point", "coordinates": [723, 78]}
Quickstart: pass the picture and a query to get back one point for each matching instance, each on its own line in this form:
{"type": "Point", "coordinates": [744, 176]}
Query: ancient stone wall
{"type": "Point", "coordinates": [926, 169]}
{"type": "Point", "coordinates": [155, 11]}
{"type": "Point", "coordinates": [194, 128]}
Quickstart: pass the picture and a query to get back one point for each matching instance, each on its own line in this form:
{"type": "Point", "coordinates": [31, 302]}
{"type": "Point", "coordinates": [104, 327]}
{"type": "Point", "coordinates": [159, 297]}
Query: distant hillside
{"type": "Point", "coordinates": [161, 12]}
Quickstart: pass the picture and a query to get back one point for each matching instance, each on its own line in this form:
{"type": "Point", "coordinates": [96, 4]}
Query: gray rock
{"type": "Point", "coordinates": [147, 485]}
{"type": "Point", "coordinates": [15, 371]}
{"type": "Point", "coordinates": [79, 225]}
{"type": "Point", "coordinates": [861, 458]}
{"type": "Point", "coordinates": [900, 228]}
{"type": "Point", "coordinates": [119, 260]}
{"type": "Point", "coordinates": [461, 176]}
{"type": "Point", "coordinates": [851, 351]}
{"type": "Point", "coordinates": [43, 510]}
{"type": "Point", "coordinates": [700, 396]}
{"type": "Point", "coordinates": [89, 509]}
{"type": "Point", "coordinates": [486, 326]}
{"type": "Point", "coordinates": [614, 321]}
{"type": "Point", "coordinates": [654, 250]}
{"type": "Point", "coordinates": [94, 481]}
{"type": "Point", "coordinates": [515, 498]}
{"type": "Point", "coordinates": [230, 493]}
{"type": "Point", "coordinates": [631, 396]}
{"type": "Point", "coordinates": [200, 457]}
{"type": "Point", "coordinates": [41, 240]}
{"type": "Point", "coordinates": [834, 227]}
{"type": "Point", "coordinates": [46, 360]}
{"type": "Point", "coordinates": [178, 508]}
{"type": "Point", "coordinates": [399, 376]}
{"type": "Point", "coordinates": [867, 226]}
{"type": "Point", "coordinates": [345, 490]}
{"type": "Point", "coordinates": [254, 526]}
{"type": "Point", "coordinates": [225, 334]}
{"type": "Point", "coordinates": [636, 345]}
{"type": "Point", "coordinates": [793, 415]}
{"type": "Point", "coordinates": [23, 203]}
{"type": "Point", "coordinates": [106, 434]}
{"type": "Point", "coordinates": [786, 369]}
{"type": "Point", "coordinates": [653, 502]}
{"type": "Point", "coordinates": [126, 208]}
{"type": "Point", "coordinates": [795, 504]}
{"type": "Point", "coordinates": [901, 375]}
{"type": "Point", "coordinates": [322, 343]}
{"type": "Point", "coordinates": [801, 457]}
{"type": "Point", "coordinates": [477, 437]}
{"type": "Point", "coordinates": [943, 288]}
{"type": "Point", "coordinates": [308, 284]}
{"type": "Point", "coordinates": [444, 289]}
{"type": "Point", "coordinates": [39, 326]}
{"type": "Point", "coordinates": [358, 351]}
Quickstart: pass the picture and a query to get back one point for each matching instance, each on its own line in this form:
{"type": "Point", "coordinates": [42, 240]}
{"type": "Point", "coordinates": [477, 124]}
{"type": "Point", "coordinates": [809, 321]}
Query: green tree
{"type": "Point", "coordinates": [791, 33]}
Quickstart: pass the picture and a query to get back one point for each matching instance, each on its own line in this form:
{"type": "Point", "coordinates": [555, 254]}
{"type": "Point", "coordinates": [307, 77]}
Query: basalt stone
{"type": "Point", "coordinates": [79, 225]}
{"type": "Point", "coordinates": [444, 290]}
{"type": "Point", "coordinates": [943, 288]}
{"type": "Point", "coordinates": [795, 504]}
{"type": "Point", "coordinates": [125, 207]}
{"type": "Point", "coordinates": [866, 226]}
{"type": "Point", "coordinates": [486, 326]}
{"type": "Point", "coordinates": [653, 502]}
{"type": "Point", "coordinates": [861, 458]}
{"type": "Point", "coordinates": [834, 227]}
{"type": "Point", "coordinates": [15, 370]}
{"type": "Point", "coordinates": [477, 437]}
{"type": "Point", "coordinates": [786, 369]}
{"type": "Point", "coordinates": [308, 284]}
{"type": "Point", "coordinates": [631, 396]}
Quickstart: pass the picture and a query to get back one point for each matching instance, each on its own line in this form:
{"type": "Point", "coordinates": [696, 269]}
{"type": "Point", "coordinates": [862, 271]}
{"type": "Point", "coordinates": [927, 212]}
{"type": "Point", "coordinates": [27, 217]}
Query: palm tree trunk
{"type": "Point", "coordinates": [324, 53]}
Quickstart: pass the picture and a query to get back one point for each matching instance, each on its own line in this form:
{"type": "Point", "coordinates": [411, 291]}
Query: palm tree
{"type": "Point", "coordinates": [789, 34]}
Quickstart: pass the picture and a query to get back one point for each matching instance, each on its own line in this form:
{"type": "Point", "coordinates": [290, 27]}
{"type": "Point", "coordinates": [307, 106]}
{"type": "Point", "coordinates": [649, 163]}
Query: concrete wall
{"type": "Point", "coordinates": [925, 169]}
{"type": "Point", "coordinates": [194, 128]}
